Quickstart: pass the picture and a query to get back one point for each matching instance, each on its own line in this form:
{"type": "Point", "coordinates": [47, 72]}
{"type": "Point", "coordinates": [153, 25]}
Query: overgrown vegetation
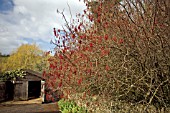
{"type": "Point", "coordinates": [27, 56]}
{"type": "Point", "coordinates": [120, 56]}
{"type": "Point", "coordinates": [3, 60]}
{"type": "Point", "coordinates": [12, 75]}
{"type": "Point", "coordinates": [70, 107]}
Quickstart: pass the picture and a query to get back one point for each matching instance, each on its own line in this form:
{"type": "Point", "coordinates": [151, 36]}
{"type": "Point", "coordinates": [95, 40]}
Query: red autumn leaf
{"type": "Point", "coordinates": [58, 75]}
{"type": "Point", "coordinates": [73, 36]}
{"type": "Point", "coordinates": [80, 81]}
{"type": "Point", "coordinates": [106, 37]}
{"type": "Point", "coordinates": [75, 71]}
{"type": "Point", "coordinates": [62, 96]}
{"type": "Point", "coordinates": [99, 41]}
{"type": "Point", "coordinates": [99, 14]}
{"type": "Point", "coordinates": [115, 39]}
{"type": "Point", "coordinates": [89, 71]}
{"type": "Point", "coordinates": [79, 27]}
{"type": "Point", "coordinates": [72, 52]}
{"type": "Point", "coordinates": [91, 45]}
{"type": "Point", "coordinates": [69, 78]}
{"type": "Point", "coordinates": [60, 84]}
{"type": "Point", "coordinates": [121, 41]}
{"type": "Point", "coordinates": [75, 29]}
{"type": "Point", "coordinates": [60, 56]}
{"type": "Point", "coordinates": [104, 52]}
{"type": "Point", "coordinates": [98, 20]}
{"type": "Point", "coordinates": [47, 97]}
{"type": "Point", "coordinates": [107, 68]}
{"type": "Point", "coordinates": [64, 50]}
{"type": "Point", "coordinates": [91, 64]}
{"type": "Point", "coordinates": [61, 67]}
{"type": "Point", "coordinates": [52, 84]}
{"type": "Point", "coordinates": [79, 41]}
{"type": "Point", "coordinates": [52, 66]}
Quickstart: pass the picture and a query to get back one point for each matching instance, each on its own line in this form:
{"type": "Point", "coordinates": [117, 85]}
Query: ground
{"type": "Point", "coordinates": [30, 106]}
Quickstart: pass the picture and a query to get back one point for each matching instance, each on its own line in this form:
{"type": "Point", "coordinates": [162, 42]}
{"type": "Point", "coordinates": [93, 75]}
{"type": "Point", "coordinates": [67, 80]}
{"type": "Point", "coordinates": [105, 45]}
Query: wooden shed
{"type": "Point", "coordinates": [30, 86]}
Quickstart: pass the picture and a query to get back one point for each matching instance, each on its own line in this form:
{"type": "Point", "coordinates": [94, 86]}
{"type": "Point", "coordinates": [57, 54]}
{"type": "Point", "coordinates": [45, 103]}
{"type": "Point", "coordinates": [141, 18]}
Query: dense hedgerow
{"type": "Point", "coordinates": [117, 51]}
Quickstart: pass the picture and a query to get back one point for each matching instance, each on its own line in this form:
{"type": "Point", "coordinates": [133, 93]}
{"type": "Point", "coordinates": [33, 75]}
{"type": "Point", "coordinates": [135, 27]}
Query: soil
{"type": "Point", "coordinates": [30, 106]}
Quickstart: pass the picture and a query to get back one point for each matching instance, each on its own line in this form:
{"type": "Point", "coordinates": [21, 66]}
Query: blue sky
{"type": "Point", "coordinates": [6, 5]}
{"type": "Point", "coordinates": [32, 21]}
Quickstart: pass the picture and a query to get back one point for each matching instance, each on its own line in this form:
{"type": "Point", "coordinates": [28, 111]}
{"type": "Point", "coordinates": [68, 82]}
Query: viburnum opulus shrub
{"type": "Point", "coordinates": [116, 50]}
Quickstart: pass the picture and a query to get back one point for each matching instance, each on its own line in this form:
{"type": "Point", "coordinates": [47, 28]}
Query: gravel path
{"type": "Point", "coordinates": [28, 107]}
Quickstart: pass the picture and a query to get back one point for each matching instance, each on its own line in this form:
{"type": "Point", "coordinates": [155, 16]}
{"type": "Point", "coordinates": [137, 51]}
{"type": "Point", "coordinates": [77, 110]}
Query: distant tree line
{"type": "Point", "coordinates": [4, 55]}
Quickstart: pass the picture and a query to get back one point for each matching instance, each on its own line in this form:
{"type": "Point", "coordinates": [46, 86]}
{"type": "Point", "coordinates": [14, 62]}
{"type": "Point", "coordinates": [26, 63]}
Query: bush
{"type": "Point", "coordinates": [70, 107]}
{"type": "Point", "coordinates": [120, 54]}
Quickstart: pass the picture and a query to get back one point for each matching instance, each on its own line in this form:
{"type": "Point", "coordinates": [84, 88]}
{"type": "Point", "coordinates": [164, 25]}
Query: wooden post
{"type": "Point", "coordinates": [43, 90]}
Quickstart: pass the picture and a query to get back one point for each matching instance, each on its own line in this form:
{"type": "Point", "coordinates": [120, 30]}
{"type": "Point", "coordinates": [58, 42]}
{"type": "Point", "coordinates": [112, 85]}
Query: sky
{"type": "Point", "coordinates": [32, 21]}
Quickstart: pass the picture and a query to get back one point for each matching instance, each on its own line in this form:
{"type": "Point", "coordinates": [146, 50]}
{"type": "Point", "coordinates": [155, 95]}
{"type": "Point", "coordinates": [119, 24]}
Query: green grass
{"type": "Point", "coordinates": [70, 107]}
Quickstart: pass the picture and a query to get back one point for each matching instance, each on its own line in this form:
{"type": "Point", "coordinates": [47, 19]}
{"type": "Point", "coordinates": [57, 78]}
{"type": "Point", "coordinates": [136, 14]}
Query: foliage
{"type": "Point", "coordinates": [27, 56]}
{"type": "Point", "coordinates": [121, 53]}
{"type": "Point", "coordinates": [70, 107]}
{"type": "Point", "coordinates": [13, 75]}
{"type": "Point", "coordinates": [3, 60]}
{"type": "Point", "coordinates": [4, 55]}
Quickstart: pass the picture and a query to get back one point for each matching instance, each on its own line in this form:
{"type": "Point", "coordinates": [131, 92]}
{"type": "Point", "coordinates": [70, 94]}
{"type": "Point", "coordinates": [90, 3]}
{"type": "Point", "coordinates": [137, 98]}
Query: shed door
{"type": "Point", "coordinates": [34, 89]}
{"type": "Point", "coordinates": [20, 90]}
{"type": "Point", "coordinates": [9, 92]}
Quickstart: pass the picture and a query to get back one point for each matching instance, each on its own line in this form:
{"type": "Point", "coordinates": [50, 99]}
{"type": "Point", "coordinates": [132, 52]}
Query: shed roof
{"type": "Point", "coordinates": [35, 75]}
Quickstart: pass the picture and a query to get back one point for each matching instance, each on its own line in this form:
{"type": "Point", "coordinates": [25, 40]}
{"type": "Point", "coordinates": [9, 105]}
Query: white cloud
{"type": "Point", "coordinates": [34, 19]}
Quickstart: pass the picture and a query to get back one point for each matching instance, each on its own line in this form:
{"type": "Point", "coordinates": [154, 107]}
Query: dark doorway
{"type": "Point", "coordinates": [34, 89]}
{"type": "Point", "coordinates": [9, 92]}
